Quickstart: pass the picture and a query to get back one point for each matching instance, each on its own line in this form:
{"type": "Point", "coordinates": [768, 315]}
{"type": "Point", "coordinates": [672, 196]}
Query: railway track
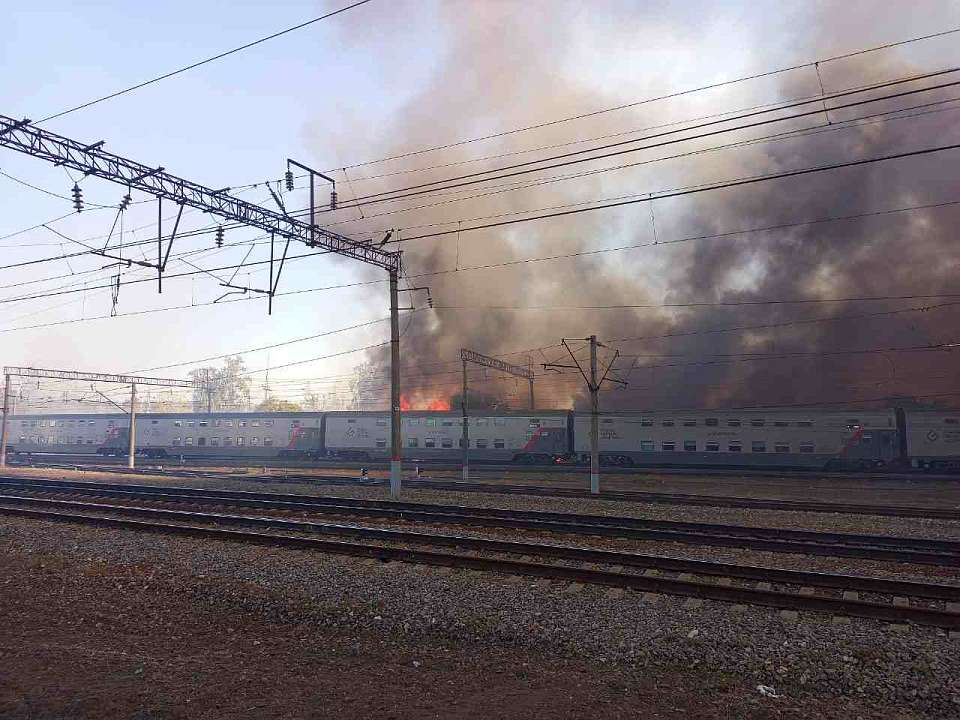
{"type": "Point", "coordinates": [944, 553]}
{"type": "Point", "coordinates": [890, 600]}
{"type": "Point", "coordinates": [40, 460]}
{"type": "Point", "coordinates": [658, 498]}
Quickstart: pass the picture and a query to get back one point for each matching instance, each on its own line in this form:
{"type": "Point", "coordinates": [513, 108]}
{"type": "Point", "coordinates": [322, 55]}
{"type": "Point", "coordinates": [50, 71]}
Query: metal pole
{"type": "Point", "coordinates": [3, 425]}
{"type": "Point", "coordinates": [313, 220]}
{"type": "Point", "coordinates": [132, 445]}
{"type": "Point", "coordinates": [532, 406]}
{"type": "Point", "coordinates": [465, 441]}
{"type": "Point", "coordinates": [594, 420]}
{"type": "Point", "coordinates": [209, 385]}
{"type": "Point", "coordinates": [395, 429]}
{"type": "Point", "coordinates": [160, 245]}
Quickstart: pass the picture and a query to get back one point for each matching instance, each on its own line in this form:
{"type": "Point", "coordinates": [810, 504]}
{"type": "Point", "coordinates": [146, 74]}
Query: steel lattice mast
{"type": "Point", "coordinates": [92, 159]}
{"type": "Point", "coordinates": [131, 380]}
{"type": "Point", "coordinates": [469, 356]}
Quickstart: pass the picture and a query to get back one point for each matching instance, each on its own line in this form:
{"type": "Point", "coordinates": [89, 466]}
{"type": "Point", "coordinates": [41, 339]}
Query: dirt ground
{"type": "Point", "coordinates": [93, 639]}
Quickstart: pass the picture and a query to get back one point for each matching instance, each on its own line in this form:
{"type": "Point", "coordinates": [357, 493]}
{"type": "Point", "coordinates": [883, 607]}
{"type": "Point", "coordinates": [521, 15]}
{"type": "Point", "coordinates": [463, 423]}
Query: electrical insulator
{"type": "Point", "coordinates": [77, 197]}
{"type": "Point", "coordinates": [333, 200]}
{"type": "Point", "coordinates": [125, 202]}
{"type": "Point", "coordinates": [289, 179]}
{"type": "Point", "coordinates": [429, 299]}
{"type": "Point", "coordinates": [219, 236]}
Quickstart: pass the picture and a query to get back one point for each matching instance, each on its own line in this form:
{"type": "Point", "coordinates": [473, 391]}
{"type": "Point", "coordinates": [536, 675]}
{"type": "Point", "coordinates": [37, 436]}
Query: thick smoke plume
{"type": "Point", "coordinates": [500, 71]}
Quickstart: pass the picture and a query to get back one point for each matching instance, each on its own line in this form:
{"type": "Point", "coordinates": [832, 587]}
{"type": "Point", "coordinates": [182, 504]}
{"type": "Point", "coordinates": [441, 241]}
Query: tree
{"type": "Point", "coordinates": [228, 386]}
{"type": "Point", "coordinates": [272, 404]}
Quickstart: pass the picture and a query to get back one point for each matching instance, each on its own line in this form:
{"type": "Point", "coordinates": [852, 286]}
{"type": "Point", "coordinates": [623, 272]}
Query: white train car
{"type": "Point", "coordinates": [933, 439]}
{"type": "Point", "coordinates": [542, 436]}
{"type": "Point", "coordinates": [169, 434]}
{"type": "Point", "coordinates": [769, 438]}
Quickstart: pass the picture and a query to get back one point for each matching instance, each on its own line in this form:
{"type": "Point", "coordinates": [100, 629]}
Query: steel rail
{"type": "Point", "coordinates": [712, 591]}
{"type": "Point", "coordinates": [656, 498]}
{"type": "Point", "coordinates": [288, 501]}
{"type": "Point", "coordinates": [874, 547]}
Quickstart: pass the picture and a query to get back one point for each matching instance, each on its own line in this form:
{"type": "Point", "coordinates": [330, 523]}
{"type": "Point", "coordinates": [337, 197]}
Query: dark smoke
{"type": "Point", "coordinates": [501, 71]}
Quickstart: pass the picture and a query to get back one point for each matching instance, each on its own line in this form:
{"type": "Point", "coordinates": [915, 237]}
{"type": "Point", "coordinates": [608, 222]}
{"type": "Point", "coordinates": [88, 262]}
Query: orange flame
{"type": "Point", "coordinates": [423, 403]}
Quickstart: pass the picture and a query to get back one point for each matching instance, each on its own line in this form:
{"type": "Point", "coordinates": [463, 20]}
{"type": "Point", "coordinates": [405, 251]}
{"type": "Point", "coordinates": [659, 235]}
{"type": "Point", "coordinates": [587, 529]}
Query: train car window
{"type": "Point", "coordinates": [448, 423]}
{"type": "Point", "coordinates": [430, 422]}
{"type": "Point", "coordinates": [189, 441]}
{"type": "Point", "coordinates": [446, 442]}
{"type": "Point", "coordinates": [254, 441]}
{"type": "Point", "coordinates": [268, 442]}
{"type": "Point", "coordinates": [481, 444]}
{"type": "Point", "coordinates": [806, 447]}
{"type": "Point", "coordinates": [33, 423]}
{"type": "Point", "coordinates": [781, 448]}
{"type": "Point", "coordinates": [689, 422]}
{"type": "Point", "coordinates": [866, 437]}
{"type": "Point", "coordinates": [734, 447]}
{"type": "Point", "coordinates": [293, 423]}
{"type": "Point", "coordinates": [241, 423]}
{"type": "Point", "coordinates": [646, 422]}
{"type": "Point", "coordinates": [91, 422]}
{"type": "Point", "coordinates": [152, 422]}
{"type": "Point", "coordinates": [951, 421]}
{"type": "Point", "coordinates": [482, 422]}
{"type": "Point", "coordinates": [804, 423]}
{"type": "Point", "coordinates": [535, 422]}
{"type": "Point", "coordinates": [690, 445]}
{"type": "Point", "coordinates": [218, 423]}
{"type": "Point", "coordinates": [23, 438]}
{"type": "Point", "coordinates": [758, 446]}
{"type": "Point", "coordinates": [268, 423]}
{"type": "Point", "coordinates": [381, 422]}
{"type": "Point", "coordinates": [757, 422]}
{"type": "Point", "coordinates": [499, 421]}
{"type": "Point", "coordinates": [381, 442]}
{"type": "Point", "coordinates": [499, 444]}
{"type": "Point", "coordinates": [228, 441]}
{"type": "Point", "coordinates": [413, 421]}
{"type": "Point", "coordinates": [214, 442]}
{"type": "Point", "coordinates": [733, 422]}
{"type": "Point", "coordinates": [429, 442]}
{"type": "Point", "coordinates": [255, 423]}
{"type": "Point", "coordinates": [711, 422]}
{"type": "Point", "coordinates": [712, 447]}
{"type": "Point", "coordinates": [780, 423]}
{"type": "Point", "coordinates": [239, 442]}
{"type": "Point", "coordinates": [667, 423]}
{"type": "Point", "coordinates": [202, 423]}
{"type": "Point", "coordinates": [90, 442]}
{"type": "Point", "coordinates": [668, 445]}
{"type": "Point", "coordinates": [647, 445]}
{"type": "Point", "coordinates": [853, 421]}
{"type": "Point", "coordinates": [23, 423]}
{"type": "Point", "coordinates": [607, 421]}
{"type": "Point", "coordinates": [201, 442]}
{"type": "Point", "coordinates": [413, 442]}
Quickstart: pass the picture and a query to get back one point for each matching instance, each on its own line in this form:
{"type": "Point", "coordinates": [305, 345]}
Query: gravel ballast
{"type": "Point", "coordinates": [885, 669]}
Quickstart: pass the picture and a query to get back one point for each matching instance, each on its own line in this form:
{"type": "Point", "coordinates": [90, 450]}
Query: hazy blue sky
{"type": "Point", "coordinates": [388, 76]}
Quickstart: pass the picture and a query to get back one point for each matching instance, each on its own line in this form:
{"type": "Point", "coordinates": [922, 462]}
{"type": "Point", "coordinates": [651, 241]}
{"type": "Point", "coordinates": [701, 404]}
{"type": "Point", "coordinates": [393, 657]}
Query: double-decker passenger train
{"type": "Point", "coordinates": [781, 438]}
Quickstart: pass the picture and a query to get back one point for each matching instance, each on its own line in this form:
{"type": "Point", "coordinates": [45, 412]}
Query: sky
{"type": "Point", "coordinates": [384, 78]}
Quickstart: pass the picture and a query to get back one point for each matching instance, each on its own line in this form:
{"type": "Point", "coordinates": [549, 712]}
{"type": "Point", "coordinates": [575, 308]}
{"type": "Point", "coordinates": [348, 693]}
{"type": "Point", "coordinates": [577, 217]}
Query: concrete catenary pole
{"type": "Point", "coordinates": [395, 429]}
{"type": "Point", "coordinates": [132, 440]}
{"type": "Point", "coordinates": [594, 420]}
{"type": "Point", "coordinates": [530, 380]}
{"type": "Point", "coordinates": [465, 440]}
{"type": "Point", "coordinates": [5, 421]}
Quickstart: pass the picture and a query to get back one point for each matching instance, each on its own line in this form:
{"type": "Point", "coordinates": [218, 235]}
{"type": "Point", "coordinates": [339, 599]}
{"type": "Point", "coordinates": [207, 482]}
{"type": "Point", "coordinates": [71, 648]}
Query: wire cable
{"type": "Point", "coordinates": [197, 64]}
